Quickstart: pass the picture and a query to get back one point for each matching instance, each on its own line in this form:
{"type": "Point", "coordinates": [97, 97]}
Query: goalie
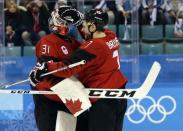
{"type": "Point", "coordinates": [102, 70]}
{"type": "Point", "coordinates": [56, 46]}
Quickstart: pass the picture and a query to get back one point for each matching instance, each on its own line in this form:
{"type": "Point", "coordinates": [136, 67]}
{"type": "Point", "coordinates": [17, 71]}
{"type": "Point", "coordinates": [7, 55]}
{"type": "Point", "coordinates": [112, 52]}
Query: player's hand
{"type": "Point", "coordinates": [42, 66]}
{"type": "Point", "coordinates": [35, 74]}
{"type": "Point", "coordinates": [34, 77]}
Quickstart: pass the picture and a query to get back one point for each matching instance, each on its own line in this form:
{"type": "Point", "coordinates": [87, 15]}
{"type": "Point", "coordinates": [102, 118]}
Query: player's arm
{"type": "Point", "coordinates": [78, 56]}
{"type": "Point", "coordinates": [44, 53]}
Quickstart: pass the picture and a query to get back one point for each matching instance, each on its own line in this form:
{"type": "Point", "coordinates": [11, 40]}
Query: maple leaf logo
{"type": "Point", "coordinates": [73, 106]}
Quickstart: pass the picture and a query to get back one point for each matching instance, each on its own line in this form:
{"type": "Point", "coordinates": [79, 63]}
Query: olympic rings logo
{"type": "Point", "coordinates": [147, 113]}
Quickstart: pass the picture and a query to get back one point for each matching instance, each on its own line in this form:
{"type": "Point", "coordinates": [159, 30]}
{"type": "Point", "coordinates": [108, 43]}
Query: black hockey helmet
{"type": "Point", "coordinates": [98, 17]}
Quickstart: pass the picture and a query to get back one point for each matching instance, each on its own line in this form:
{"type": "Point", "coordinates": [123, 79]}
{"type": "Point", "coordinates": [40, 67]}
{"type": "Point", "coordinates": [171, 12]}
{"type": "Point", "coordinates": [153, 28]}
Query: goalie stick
{"type": "Point", "coordinates": [138, 93]}
{"type": "Point", "coordinates": [51, 72]}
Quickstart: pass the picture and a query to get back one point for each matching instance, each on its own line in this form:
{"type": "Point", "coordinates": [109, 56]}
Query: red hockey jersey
{"type": "Point", "coordinates": [54, 47]}
{"type": "Point", "coordinates": [102, 68]}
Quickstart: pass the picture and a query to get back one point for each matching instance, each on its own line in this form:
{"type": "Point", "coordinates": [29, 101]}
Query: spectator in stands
{"type": "Point", "coordinates": [102, 5]}
{"type": "Point", "coordinates": [60, 3]}
{"type": "Point", "coordinates": [1, 32]}
{"type": "Point", "coordinates": [172, 9]}
{"type": "Point", "coordinates": [37, 16]}
{"type": "Point", "coordinates": [22, 2]}
{"type": "Point", "coordinates": [178, 29]}
{"type": "Point", "coordinates": [109, 7]}
{"type": "Point", "coordinates": [125, 8]}
{"type": "Point", "coordinates": [11, 38]}
{"type": "Point", "coordinates": [151, 13]}
{"type": "Point", "coordinates": [55, 3]}
{"type": "Point", "coordinates": [14, 23]}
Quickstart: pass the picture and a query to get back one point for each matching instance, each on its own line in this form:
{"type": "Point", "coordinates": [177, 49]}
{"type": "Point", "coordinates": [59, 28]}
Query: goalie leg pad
{"type": "Point", "coordinates": [65, 122]}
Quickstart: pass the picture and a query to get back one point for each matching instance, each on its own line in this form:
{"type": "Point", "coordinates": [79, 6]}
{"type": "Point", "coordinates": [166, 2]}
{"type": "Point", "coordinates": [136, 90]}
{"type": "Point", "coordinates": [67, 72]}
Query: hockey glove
{"type": "Point", "coordinates": [33, 77]}
{"type": "Point", "coordinates": [35, 74]}
{"type": "Point", "coordinates": [42, 67]}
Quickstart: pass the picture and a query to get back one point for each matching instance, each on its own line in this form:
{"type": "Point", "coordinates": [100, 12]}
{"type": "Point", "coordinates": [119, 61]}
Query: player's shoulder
{"type": "Point", "coordinates": [48, 37]}
{"type": "Point", "coordinates": [100, 42]}
{"type": "Point", "coordinates": [109, 33]}
{"type": "Point", "coordinates": [93, 45]}
{"type": "Point", "coordinates": [87, 44]}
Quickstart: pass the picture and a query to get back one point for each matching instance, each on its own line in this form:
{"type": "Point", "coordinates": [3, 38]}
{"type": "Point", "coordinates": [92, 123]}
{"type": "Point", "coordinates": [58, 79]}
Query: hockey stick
{"type": "Point", "coordinates": [16, 83]}
{"type": "Point", "coordinates": [138, 93]}
{"type": "Point", "coordinates": [64, 68]}
{"type": "Point", "coordinates": [54, 71]}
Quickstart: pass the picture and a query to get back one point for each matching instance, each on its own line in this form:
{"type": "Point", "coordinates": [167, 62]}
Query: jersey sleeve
{"type": "Point", "coordinates": [76, 44]}
{"type": "Point", "coordinates": [78, 56]}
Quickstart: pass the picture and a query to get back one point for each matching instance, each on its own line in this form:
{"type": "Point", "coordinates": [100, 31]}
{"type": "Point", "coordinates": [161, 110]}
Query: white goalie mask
{"type": "Point", "coordinates": [57, 24]}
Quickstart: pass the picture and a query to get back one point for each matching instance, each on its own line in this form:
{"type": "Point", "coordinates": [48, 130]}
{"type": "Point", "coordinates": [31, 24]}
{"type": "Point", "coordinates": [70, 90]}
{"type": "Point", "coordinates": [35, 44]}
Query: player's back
{"type": "Point", "coordinates": [104, 70]}
{"type": "Point", "coordinates": [55, 46]}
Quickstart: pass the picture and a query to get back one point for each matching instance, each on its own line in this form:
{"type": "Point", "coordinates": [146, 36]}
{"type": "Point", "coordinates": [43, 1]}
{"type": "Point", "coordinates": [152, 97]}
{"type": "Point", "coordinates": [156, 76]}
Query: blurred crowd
{"type": "Point", "coordinates": [26, 21]}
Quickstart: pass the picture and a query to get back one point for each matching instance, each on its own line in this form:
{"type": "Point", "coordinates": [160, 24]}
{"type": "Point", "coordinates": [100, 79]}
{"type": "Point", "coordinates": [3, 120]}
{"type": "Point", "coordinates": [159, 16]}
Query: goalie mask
{"type": "Point", "coordinates": [57, 24]}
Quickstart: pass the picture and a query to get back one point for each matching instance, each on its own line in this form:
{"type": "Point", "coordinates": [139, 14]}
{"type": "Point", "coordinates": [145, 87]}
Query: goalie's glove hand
{"type": "Point", "coordinates": [35, 74]}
